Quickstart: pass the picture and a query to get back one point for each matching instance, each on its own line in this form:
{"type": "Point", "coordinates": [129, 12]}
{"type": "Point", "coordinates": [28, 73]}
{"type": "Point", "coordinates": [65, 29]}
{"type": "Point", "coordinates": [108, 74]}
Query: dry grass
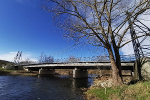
{"type": "Point", "coordinates": [138, 91]}
{"type": "Point", "coordinates": [64, 71]}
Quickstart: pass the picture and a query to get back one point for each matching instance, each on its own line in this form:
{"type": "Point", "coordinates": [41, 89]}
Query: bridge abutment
{"type": "Point", "coordinates": [46, 71]}
{"type": "Point", "coordinates": [80, 73]}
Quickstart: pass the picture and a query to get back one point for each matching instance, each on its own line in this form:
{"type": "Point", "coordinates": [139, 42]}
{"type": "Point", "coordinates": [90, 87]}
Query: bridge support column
{"type": "Point", "coordinates": [80, 73]}
{"type": "Point", "coordinates": [46, 71]}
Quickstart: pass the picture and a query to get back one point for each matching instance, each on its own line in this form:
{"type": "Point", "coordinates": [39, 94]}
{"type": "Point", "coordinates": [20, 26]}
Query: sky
{"type": "Point", "coordinates": [26, 27]}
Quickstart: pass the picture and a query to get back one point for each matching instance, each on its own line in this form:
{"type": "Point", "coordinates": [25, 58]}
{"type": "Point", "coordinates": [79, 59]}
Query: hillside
{"type": "Point", "coordinates": [2, 62]}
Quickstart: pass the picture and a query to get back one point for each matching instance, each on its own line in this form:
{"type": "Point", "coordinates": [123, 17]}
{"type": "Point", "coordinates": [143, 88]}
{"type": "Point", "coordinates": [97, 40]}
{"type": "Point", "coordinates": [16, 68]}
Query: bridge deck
{"type": "Point", "coordinates": [80, 65]}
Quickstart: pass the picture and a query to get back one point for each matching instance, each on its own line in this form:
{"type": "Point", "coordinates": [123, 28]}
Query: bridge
{"type": "Point", "coordinates": [79, 68]}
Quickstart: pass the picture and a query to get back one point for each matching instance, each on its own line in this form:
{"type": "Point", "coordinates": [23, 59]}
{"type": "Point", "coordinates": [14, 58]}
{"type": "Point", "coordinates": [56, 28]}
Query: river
{"type": "Point", "coordinates": [58, 87]}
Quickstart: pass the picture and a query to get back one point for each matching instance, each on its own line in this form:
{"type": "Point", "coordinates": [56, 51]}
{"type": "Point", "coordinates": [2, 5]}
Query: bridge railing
{"type": "Point", "coordinates": [124, 58]}
{"type": "Point", "coordinates": [127, 57]}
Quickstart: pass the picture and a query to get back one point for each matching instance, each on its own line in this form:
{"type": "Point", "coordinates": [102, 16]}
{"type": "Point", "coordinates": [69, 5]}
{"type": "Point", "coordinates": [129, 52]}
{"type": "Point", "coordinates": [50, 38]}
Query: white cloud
{"type": "Point", "coordinates": [128, 48]}
{"type": "Point", "coordinates": [11, 55]}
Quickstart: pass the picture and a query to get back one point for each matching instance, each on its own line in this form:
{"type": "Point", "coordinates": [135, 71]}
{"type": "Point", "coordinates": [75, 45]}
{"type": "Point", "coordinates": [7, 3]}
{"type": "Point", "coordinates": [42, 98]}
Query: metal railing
{"type": "Point", "coordinates": [124, 58]}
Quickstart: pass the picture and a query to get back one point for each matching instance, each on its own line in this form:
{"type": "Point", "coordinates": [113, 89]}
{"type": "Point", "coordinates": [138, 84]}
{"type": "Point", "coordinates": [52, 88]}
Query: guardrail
{"type": "Point", "coordinates": [93, 59]}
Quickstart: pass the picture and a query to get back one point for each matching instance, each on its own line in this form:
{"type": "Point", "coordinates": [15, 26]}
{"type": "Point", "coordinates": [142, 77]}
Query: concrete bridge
{"type": "Point", "coordinates": [79, 68]}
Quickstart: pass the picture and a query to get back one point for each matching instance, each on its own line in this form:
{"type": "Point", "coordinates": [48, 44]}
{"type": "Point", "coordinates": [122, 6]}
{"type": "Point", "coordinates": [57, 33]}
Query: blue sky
{"type": "Point", "coordinates": [26, 27]}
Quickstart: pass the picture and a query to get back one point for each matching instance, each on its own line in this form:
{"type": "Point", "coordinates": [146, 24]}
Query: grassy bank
{"type": "Point", "coordinates": [3, 62]}
{"type": "Point", "coordinates": [17, 72]}
{"type": "Point", "coordinates": [138, 91]}
{"type": "Point", "coordinates": [5, 72]}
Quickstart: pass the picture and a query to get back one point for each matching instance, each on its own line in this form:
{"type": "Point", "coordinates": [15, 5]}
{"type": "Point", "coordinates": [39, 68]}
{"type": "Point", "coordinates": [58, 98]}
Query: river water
{"type": "Point", "coordinates": [58, 87]}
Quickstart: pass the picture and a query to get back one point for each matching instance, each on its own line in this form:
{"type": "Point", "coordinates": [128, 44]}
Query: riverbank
{"type": "Point", "coordinates": [34, 73]}
{"type": "Point", "coordinates": [17, 72]}
{"type": "Point", "coordinates": [93, 93]}
{"type": "Point", "coordinates": [57, 72]}
{"type": "Point", "coordinates": [138, 91]}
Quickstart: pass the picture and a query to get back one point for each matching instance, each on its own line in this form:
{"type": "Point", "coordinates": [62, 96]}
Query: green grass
{"type": "Point", "coordinates": [4, 70]}
{"type": "Point", "coordinates": [139, 91]}
{"type": "Point", "coordinates": [100, 93]}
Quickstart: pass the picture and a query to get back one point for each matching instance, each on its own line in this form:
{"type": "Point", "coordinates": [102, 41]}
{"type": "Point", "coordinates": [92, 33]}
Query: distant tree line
{"type": "Point", "coordinates": [46, 59]}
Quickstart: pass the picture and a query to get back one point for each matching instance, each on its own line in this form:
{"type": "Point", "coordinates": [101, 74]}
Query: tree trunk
{"type": "Point", "coordinates": [117, 80]}
{"type": "Point", "coordinates": [118, 60]}
{"type": "Point", "coordinates": [116, 51]}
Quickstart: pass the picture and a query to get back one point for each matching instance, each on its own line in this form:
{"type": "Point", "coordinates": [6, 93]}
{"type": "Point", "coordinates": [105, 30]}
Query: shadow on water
{"type": "Point", "coordinates": [80, 83]}
{"type": "Point", "coordinates": [58, 87]}
{"type": "Point", "coordinates": [66, 86]}
{"type": "Point", "coordinates": [76, 83]}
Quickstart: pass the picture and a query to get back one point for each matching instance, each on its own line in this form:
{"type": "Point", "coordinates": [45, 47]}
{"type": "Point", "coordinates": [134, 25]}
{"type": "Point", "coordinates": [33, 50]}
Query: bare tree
{"type": "Point", "coordinates": [73, 59]}
{"type": "Point", "coordinates": [27, 61]}
{"type": "Point", "coordinates": [46, 59]}
{"type": "Point", "coordinates": [100, 22]}
{"type": "Point", "coordinates": [101, 58]}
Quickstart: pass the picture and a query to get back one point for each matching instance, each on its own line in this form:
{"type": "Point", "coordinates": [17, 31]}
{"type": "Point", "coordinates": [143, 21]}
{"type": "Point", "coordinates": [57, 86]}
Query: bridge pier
{"type": "Point", "coordinates": [46, 71]}
{"type": "Point", "coordinates": [80, 73]}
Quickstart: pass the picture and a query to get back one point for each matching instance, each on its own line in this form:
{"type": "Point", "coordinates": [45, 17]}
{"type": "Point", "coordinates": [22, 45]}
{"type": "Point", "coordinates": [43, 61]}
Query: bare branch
{"type": "Point", "coordinates": [134, 39]}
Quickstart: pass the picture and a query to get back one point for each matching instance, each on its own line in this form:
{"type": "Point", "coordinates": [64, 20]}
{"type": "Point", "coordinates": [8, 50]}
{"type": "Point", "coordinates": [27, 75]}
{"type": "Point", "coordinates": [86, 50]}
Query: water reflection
{"type": "Point", "coordinates": [79, 83]}
{"type": "Point", "coordinates": [59, 87]}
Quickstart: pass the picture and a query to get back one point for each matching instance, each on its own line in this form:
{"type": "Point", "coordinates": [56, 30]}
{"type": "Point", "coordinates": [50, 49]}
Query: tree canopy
{"type": "Point", "coordinates": [101, 22]}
